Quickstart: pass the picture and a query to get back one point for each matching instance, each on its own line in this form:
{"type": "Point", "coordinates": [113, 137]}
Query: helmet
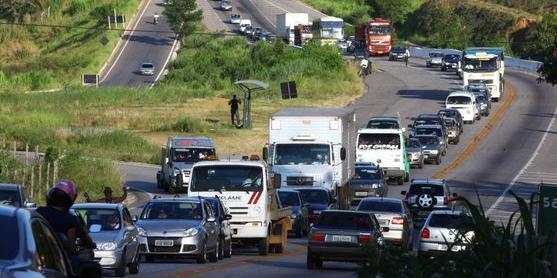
{"type": "Point", "coordinates": [62, 194]}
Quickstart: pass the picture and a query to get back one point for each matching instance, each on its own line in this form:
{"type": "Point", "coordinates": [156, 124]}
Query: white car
{"type": "Point", "coordinates": [235, 18]}
{"type": "Point", "coordinates": [147, 69]}
{"type": "Point", "coordinates": [466, 104]}
{"type": "Point", "coordinates": [445, 231]}
{"type": "Point", "coordinates": [225, 5]}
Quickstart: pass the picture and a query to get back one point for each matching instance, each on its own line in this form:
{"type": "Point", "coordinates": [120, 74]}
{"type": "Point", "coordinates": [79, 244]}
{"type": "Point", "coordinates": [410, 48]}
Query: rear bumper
{"type": "Point", "coordinates": [340, 254]}
{"type": "Point", "coordinates": [432, 248]}
{"type": "Point", "coordinates": [394, 173]}
{"type": "Point", "coordinates": [394, 236]}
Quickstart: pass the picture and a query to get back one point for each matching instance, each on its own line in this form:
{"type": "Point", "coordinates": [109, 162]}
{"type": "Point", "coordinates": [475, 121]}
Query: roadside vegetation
{"type": "Point", "coordinates": [38, 57]}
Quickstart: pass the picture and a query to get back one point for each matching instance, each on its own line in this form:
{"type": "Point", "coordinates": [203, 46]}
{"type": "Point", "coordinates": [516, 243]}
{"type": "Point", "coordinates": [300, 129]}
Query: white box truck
{"type": "Point", "coordinates": [287, 22]}
{"type": "Point", "coordinates": [312, 147]}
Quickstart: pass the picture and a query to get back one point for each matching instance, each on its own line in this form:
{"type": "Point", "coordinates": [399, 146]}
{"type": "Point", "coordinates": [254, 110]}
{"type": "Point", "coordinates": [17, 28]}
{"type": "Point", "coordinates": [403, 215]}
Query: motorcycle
{"type": "Point", "coordinates": [156, 18]}
{"type": "Point", "coordinates": [365, 67]}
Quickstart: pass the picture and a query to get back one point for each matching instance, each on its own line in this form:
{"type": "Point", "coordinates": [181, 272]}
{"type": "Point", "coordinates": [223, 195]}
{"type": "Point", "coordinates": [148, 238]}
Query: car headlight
{"type": "Point", "coordinates": [191, 232]}
{"type": "Point", "coordinates": [141, 231]}
{"type": "Point", "coordinates": [293, 216]}
{"type": "Point", "coordinates": [107, 246]}
{"type": "Point", "coordinates": [376, 185]}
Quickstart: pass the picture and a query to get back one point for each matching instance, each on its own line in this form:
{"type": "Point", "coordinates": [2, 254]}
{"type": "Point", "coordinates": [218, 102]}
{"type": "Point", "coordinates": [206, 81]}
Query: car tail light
{"type": "Point", "coordinates": [397, 220]}
{"type": "Point", "coordinates": [425, 233]}
{"type": "Point", "coordinates": [362, 238]}
{"type": "Point", "coordinates": [318, 236]}
{"type": "Point", "coordinates": [445, 201]}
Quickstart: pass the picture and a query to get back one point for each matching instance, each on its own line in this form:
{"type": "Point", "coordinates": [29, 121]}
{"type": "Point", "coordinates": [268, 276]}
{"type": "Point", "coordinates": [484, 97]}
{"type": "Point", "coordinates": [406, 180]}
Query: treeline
{"type": "Point", "coordinates": [533, 6]}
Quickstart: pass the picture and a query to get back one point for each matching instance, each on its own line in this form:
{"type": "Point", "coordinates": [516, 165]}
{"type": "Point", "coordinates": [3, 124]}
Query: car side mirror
{"type": "Point", "coordinates": [265, 153]}
{"type": "Point", "coordinates": [276, 181]}
{"type": "Point", "coordinates": [134, 218]}
{"type": "Point", "coordinates": [402, 192]}
{"type": "Point", "coordinates": [30, 204]}
{"type": "Point", "coordinates": [95, 228]}
{"type": "Point", "coordinates": [227, 217]}
{"type": "Point", "coordinates": [211, 219]}
{"type": "Point", "coordinates": [385, 229]}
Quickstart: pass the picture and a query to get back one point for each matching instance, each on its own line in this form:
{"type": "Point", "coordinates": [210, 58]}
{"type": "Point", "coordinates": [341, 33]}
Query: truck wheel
{"type": "Point", "coordinates": [299, 230]}
{"type": "Point", "coordinates": [400, 181]}
{"type": "Point", "coordinates": [263, 246]}
{"type": "Point", "coordinates": [221, 250]}
{"type": "Point", "coordinates": [407, 177]}
{"type": "Point", "coordinates": [159, 181]}
{"type": "Point", "coordinates": [228, 250]}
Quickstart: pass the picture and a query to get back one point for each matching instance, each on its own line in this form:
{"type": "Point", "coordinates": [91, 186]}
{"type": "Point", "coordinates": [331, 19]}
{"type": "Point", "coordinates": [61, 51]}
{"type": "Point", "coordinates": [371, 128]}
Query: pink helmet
{"type": "Point", "coordinates": [68, 186]}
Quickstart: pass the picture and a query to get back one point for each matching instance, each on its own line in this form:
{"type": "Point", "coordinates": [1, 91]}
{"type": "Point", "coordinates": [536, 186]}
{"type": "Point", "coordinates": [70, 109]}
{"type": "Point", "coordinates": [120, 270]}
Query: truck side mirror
{"type": "Point", "coordinates": [342, 153]}
{"type": "Point", "coordinates": [265, 154]}
{"type": "Point", "coordinates": [276, 181]}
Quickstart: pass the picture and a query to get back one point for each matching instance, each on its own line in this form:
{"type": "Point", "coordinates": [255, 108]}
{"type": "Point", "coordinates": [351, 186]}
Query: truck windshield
{"type": "Point", "coordinates": [191, 154]}
{"type": "Point", "coordinates": [379, 30]}
{"type": "Point", "coordinates": [480, 65]}
{"type": "Point", "coordinates": [459, 100]}
{"type": "Point", "coordinates": [227, 178]}
{"type": "Point", "coordinates": [302, 154]}
{"type": "Point", "coordinates": [372, 141]}
{"type": "Point", "coordinates": [10, 198]}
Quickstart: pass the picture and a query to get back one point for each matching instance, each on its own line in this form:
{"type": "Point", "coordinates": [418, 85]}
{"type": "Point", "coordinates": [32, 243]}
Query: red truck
{"type": "Point", "coordinates": [379, 38]}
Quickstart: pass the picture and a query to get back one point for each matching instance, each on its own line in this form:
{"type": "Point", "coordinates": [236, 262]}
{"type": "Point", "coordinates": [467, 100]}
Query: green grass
{"type": "Point", "coordinates": [35, 58]}
{"type": "Point", "coordinates": [352, 11]}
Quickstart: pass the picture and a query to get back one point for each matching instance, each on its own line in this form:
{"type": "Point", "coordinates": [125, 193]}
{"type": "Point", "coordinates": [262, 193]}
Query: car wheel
{"type": "Point", "coordinates": [228, 251]}
{"type": "Point", "coordinates": [487, 113]}
{"type": "Point", "coordinates": [120, 270]}
{"type": "Point", "coordinates": [312, 262]}
{"type": "Point", "coordinates": [221, 250]}
{"type": "Point", "coordinates": [149, 258]}
{"type": "Point", "coordinates": [263, 247]}
{"type": "Point", "coordinates": [299, 231]}
{"type": "Point", "coordinates": [133, 267]}
{"type": "Point", "coordinates": [214, 256]}
{"type": "Point", "coordinates": [202, 256]}
{"type": "Point", "coordinates": [456, 140]}
{"type": "Point", "coordinates": [438, 160]}
{"type": "Point", "coordinates": [421, 165]}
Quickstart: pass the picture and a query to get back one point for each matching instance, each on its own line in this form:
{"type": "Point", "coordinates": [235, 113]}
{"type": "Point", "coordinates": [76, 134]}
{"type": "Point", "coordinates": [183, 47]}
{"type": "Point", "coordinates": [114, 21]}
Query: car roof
{"type": "Point", "coordinates": [449, 212]}
{"type": "Point", "coordinates": [311, 189]}
{"type": "Point", "coordinates": [430, 126]}
{"type": "Point", "coordinates": [168, 199]}
{"type": "Point", "coordinates": [9, 186]}
{"type": "Point", "coordinates": [96, 206]}
{"type": "Point", "coordinates": [427, 182]}
{"type": "Point", "coordinates": [383, 118]}
{"type": "Point", "coordinates": [381, 199]}
{"type": "Point", "coordinates": [424, 135]}
{"type": "Point", "coordinates": [427, 116]}
{"type": "Point", "coordinates": [344, 211]}
{"type": "Point", "coordinates": [460, 93]}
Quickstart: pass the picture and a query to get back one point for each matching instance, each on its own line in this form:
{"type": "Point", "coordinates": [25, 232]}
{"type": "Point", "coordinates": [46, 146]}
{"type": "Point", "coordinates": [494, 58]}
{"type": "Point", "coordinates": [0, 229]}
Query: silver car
{"type": "Point", "coordinates": [445, 230]}
{"type": "Point", "coordinates": [178, 226]}
{"type": "Point", "coordinates": [434, 59]}
{"type": "Point", "coordinates": [415, 153]}
{"type": "Point", "coordinates": [235, 18]}
{"type": "Point", "coordinates": [225, 5]}
{"type": "Point", "coordinates": [393, 214]}
{"type": "Point", "coordinates": [147, 69]}
{"type": "Point", "coordinates": [111, 227]}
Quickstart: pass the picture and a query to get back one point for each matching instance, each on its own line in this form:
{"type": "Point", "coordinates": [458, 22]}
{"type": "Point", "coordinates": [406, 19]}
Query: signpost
{"type": "Point", "coordinates": [249, 87]}
{"type": "Point", "coordinates": [90, 80]}
{"type": "Point", "coordinates": [547, 210]}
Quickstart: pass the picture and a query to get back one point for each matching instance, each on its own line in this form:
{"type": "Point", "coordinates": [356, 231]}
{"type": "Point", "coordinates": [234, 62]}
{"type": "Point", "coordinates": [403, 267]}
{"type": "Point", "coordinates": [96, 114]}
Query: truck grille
{"type": "Point", "coordinates": [299, 181]}
{"type": "Point", "coordinates": [171, 249]}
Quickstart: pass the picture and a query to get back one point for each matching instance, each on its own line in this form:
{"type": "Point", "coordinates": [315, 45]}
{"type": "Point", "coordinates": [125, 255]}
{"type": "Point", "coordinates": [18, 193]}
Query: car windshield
{"type": "Point", "coordinates": [450, 122]}
{"type": "Point", "coordinates": [480, 64]}
{"type": "Point", "coordinates": [414, 143]}
{"type": "Point", "coordinates": [235, 16]}
{"type": "Point", "coordinates": [448, 113]}
{"type": "Point", "coordinates": [314, 196]}
{"type": "Point", "coordinates": [481, 98]}
{"type": "Point", "coordinates": [427, 140]}
{"type": "Point", "coordinates": [191, 154]}
{"type": "Point", "coordinates": [10, 198]}
{"type": "Point", "coordinates": [380, 206]}
{"type": "Point", "coordinates": [108, 219]}
{"type": "Point", "coordinates": [344, 220]}
{"type": "Point", "coordinates": [451, 58]}
{"type": "Point", "coordinates": [367, 173]}
{"type": "Point", "coordinates": [375, 141]}
{"type": "Point", "coordinates": [450, 221]}
{"type": "Point", "coordinates": [302, 154]}
{"type": "Point", "coordinates": [398, 50]}
{"type": "Point", "coordinates": [382, 124]}
{"type": "Point", "coordinates": [147, 66]}
{"type": "Point", "coordinates": [429, 131]}
{"type": "Point", "coordinates": [172, 211]}
{"type": "Point", "coordinates": [9, 239]}
{"type": "Point", "coordinates": [426, 121]}
{"type": "Point", "coordinates": [227, 178]}
{"type": "Point", "coordinates": [289, 198]}
{"type": "Point", "coordinates": [417, 189]}
{"type": "Point", "coordinates": [435, 54]}
{"type": "Point", "coordinates": [463, 100]}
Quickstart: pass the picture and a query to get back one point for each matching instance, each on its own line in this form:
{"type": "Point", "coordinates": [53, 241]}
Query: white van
{"type": "Point", "coordinates": [466, 104]}
{"type": "Point", "coordinates": [244, 23]}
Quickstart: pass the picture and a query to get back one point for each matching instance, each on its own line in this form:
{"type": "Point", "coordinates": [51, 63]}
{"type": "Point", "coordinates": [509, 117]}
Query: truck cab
{"type": "Point", "coordinates": [245, 188]}
{"type": "Point", "coordinates": [484, 65]}
{"type": "Point", "coordinates": [177, 158]}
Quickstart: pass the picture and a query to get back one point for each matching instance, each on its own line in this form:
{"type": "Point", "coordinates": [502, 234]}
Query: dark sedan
{"type": "Point", "coordinates": [316, 200]}
{"type": "Point", "coordinates": [299, 217]}
{"type": "Point", "coordinates": [368, 181]}
{"type": "Point", "coordinates": [452, 113]}
{"type": "Point", "coordinates": [13, 195]}
{"type": "Point", "coordinates": [343, 236]}
{"type": "Point", "coordinates": [450, 61]}
{"type": "Point", "coordinates": [432, 148]}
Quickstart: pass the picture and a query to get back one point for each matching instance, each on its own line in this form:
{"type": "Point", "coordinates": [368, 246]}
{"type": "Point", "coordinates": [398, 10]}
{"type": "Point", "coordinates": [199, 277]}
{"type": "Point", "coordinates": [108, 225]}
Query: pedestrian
{"type": "Point", "coordinates": [406, 56]}
{"type": "Point", "coordinates": [108, 197]}
{"type": "Point", "coordinates": [234, 102]}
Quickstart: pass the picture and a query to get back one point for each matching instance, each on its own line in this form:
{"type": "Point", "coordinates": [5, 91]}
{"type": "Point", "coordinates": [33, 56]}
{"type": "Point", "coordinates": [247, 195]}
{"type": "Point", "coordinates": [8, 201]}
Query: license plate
{"type": "Point", "coordinates": [361, 194]}
{"type": "Point", "coordinates": [339, 238]}
{"type": "Point", "coordinates": [164, 243]}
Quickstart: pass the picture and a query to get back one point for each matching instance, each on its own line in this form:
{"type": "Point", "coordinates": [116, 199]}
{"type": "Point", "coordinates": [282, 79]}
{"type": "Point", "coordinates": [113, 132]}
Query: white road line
{"type": "Point", "coordinates": [263, 14]}
{"type": "Point", "coordinates": [273, 4]}
{"type": "Point", "coordinates": [523, 170]}
{"type": "Point", "coordinates": [126, 43]}
{"type": "Point", "coordinates": [165, 62]}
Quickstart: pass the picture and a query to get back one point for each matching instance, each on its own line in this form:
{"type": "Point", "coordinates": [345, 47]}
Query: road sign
{"type": "Point", "coordinates": [547, 209]}
{"type": "Point", "coordinates": [90, 80]}
{"type": "Point", "coordinates": [288, 90]}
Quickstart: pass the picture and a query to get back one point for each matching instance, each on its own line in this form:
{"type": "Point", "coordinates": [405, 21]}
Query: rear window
{"type": "Point", "coordinates": [372, 141]}
{"type": "Point", "coordinates": [148, 66]}
{"type": "Point", "coordinates": [9, 239]}
{"type": "Point", "coordinates": [450, 221]}
{"type": "Point", "coordinates": [459, 100]}
{"type": "Point", "coordinates": [382, 124]}
{"type": "Point", "coordinates": [345, 220]}
{"type": "Point", "coordinates": [380, 206]}
{"type": "Point", "coordinates": [429, 131]}
{"type": "Point", "coordinates": [417, 189]}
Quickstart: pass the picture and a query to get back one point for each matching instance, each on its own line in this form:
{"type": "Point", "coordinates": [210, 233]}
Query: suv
{"type": "Point", "coordinates": [437, 130]}
{"type": "Point", "coordinates": [454, 114]}
{"type": "Point", "coordinates": [450, 61]}
{"type": "Point", "coordinates": [397, 53]}
{"type": "Point", "coordinates": [432, 148]}
{"type": "Point", "coordinates": [13, 195]}
{"type": "Point", "coordinates": [383, 122]}
{"type": "Point", "coordinates": [423, 196]}
{"type": "Point", "coordinates": [368, 181]}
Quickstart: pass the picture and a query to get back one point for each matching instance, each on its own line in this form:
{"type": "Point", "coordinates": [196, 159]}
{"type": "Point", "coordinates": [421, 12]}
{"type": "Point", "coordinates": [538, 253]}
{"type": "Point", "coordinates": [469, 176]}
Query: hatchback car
{"type": "Point", "coordinates": [223, 225]}
{"type": "Point", "coordinates": [485, 105]}
{"type": "Point", "coordinates": [479, 88]}
{"type": "Point", "coordinates": [235, 18]}
{"type": "Point", "coordinates": [438, 130]}
{"type": "Point", "coordinates": [445, 231]}
{"type": "Point", "coordinates": [316, 200]}
{"type": "Point", "coordinates": [13, 195]}
{"type": "Point", "coordinates": [383, 122]}
{"type": "Point", "coordinates": [225, 5]}
{"type": "Point", "coordinates": [178, 226]}
{"type": "Point", "coordinates": [147, 69]}
{"type": "Point", "coordinates": [431, 148]}
{"type": "Point", "coordinates": [368, 181]}
{"type": "Point", "coordinates": [423, 196]}
{"type": "Point", "coordinates": [393, 214]}
{"type": "Point", "coordinates": [342, 236]}
{"type": "Point", "coordinates": [397, 53]}
{"type": "Point", "coordinates": [111, 227]}
{"type": "Point", "coordinates": [453, 130]}
{"type": "Point", "coordinates": [434, 59]}
{"type": "Point", "coordinates": [450, 62]}
{"type": "Point", "coordinates": [454, 114]}
{"type": "Point", "coordinates": [415, 152]}
{"type": "Point", "coordinates": [426, 119]}
{"type": "Point", "coordinates": [299, 217]}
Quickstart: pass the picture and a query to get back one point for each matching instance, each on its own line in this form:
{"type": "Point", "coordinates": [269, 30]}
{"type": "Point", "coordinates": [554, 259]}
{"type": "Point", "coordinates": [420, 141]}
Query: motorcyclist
{"type": "Point", "coordinates": [67, 226]}
{"type": "Point", "coordinates": [364, 65]}
{"type": "Point", "coordinates": [156, 18]}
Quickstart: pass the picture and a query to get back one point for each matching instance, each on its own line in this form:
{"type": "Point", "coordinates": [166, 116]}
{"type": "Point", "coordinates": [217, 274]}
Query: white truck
{"type": "Point", "coordinates": [485, 65]}
{"type": "Point", "coordinates": [248, 190]}
{"type": "Point", "coordinates": [331, 30]}
{"type": "Point", "coordinates": [312, 147]}
{"type": "Point", "coordinates": [177, 157]}
{"type": "Point", "coordinates": [287, 24]}
{"type": "Point", "coordinates": [244, 24]}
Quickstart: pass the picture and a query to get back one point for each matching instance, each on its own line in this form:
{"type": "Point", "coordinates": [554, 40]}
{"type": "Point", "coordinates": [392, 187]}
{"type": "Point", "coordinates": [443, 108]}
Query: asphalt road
{"type": "Point", "coordinates": [518, 151]}
{"type": "Point", "coordinates": [138, 47]}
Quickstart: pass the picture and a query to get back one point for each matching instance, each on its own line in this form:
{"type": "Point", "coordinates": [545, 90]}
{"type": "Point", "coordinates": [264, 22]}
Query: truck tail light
{"type": "Point", "coordinates": [425, 233]}
{"type": "Point", "coordinates": [363, 238]}
{"type": "Point", "coordinates": [397, 220]}
{"type": "Point", "coordinates": [318, 236]}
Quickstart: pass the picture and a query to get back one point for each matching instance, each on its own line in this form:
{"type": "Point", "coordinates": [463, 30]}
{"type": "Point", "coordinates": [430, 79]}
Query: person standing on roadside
{"type": "Point", "coordinates": [234, 102]}
{"type": "Point", "coordinates": [406, 55]}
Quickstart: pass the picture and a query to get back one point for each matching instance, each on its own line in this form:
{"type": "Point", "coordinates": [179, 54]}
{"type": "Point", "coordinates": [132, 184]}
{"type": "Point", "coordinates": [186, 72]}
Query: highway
{"type": "Point", "coordinates": [516, 150]}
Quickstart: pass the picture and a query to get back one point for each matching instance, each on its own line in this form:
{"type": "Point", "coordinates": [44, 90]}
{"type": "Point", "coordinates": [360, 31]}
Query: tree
{"type": "Point", "coordinates": [395, 10]}
{"type": "Point", "coordinates": [16, 10]}
{"type": "Point", "coordinates": [546, 46]}
{"type": "Point", "coordinates": [183, 16]}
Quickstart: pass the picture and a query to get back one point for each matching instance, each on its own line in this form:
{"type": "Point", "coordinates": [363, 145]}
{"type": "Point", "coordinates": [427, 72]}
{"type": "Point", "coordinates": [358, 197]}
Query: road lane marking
{"type": "Point", "coordinates": [523, 170]}
{"type": "Point", "coordinates": [126, 43]}
{"type": "Point", "coordinates": [474, 143]}
{"type": "Point", "coordinates": [165, 62]}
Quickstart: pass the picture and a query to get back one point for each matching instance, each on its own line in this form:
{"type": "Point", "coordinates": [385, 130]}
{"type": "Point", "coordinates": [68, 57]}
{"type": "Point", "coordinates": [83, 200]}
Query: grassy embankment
{"type": "Point", "coordinates": [37, 58]}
